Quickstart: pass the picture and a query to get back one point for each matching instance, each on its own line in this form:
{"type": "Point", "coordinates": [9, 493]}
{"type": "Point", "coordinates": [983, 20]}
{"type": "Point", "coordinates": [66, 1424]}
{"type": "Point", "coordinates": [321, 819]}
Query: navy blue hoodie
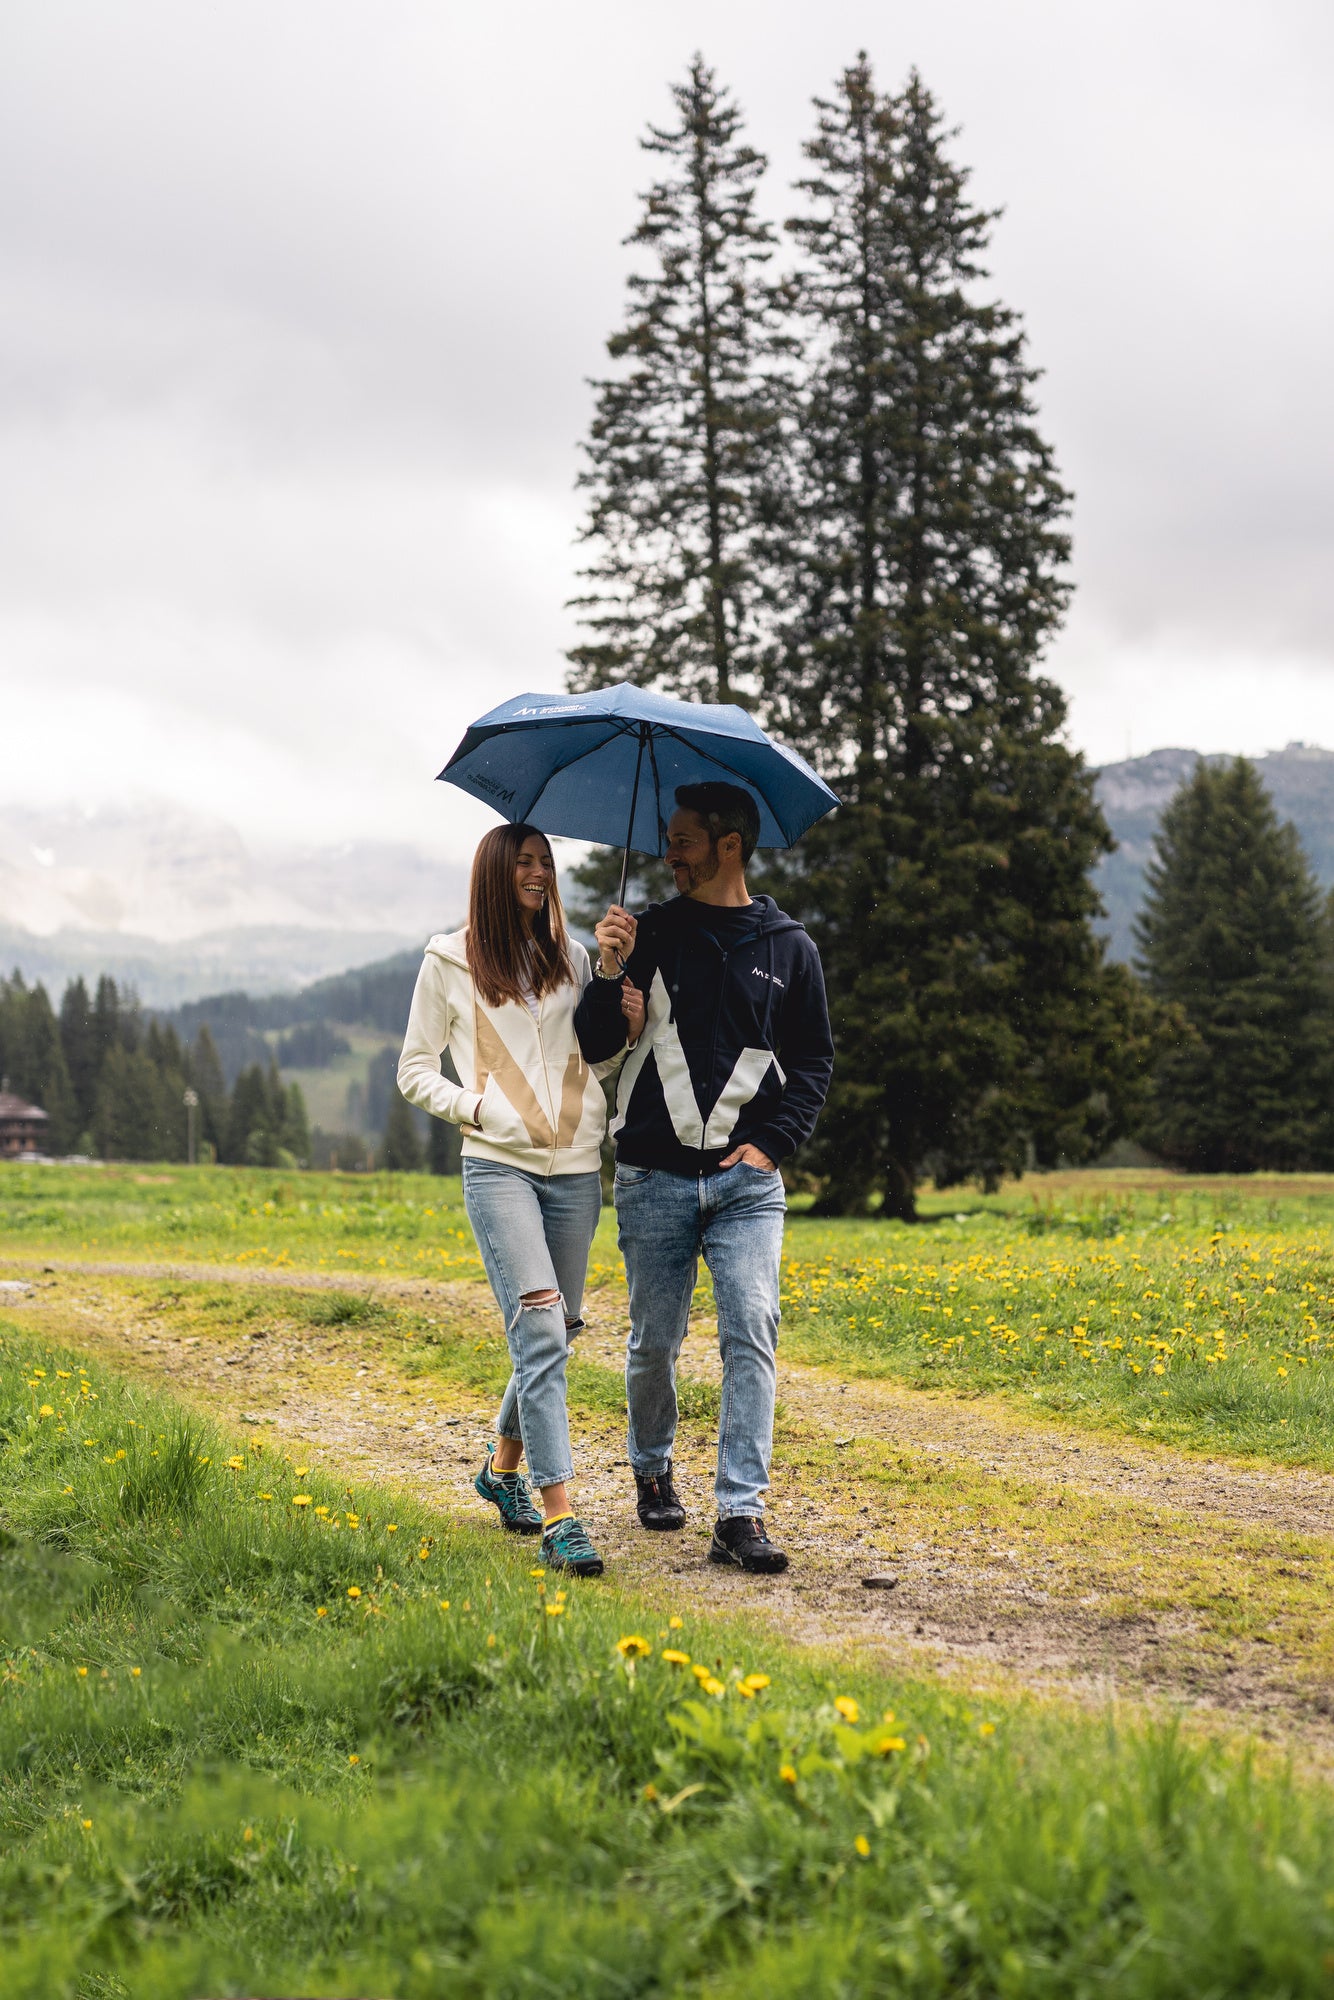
{"type": "Point", "coordinates": [736, 1048]}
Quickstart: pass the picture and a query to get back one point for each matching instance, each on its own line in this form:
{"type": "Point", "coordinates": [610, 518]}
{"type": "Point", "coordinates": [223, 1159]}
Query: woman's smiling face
{"type": "Point", "coordinates": [534, 874]}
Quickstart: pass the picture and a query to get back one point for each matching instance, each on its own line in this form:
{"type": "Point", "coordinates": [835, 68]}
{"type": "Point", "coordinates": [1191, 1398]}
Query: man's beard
{"type": "Point", "coordinates": [699, 872]}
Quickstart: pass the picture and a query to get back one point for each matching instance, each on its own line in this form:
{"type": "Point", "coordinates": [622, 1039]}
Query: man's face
{"type": "Point", "coordinates": [691, 855]}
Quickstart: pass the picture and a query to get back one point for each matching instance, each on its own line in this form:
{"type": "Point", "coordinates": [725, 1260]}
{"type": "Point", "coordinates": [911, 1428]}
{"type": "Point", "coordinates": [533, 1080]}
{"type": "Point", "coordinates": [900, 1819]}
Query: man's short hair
{"type": "Point", "coordinates": [723, 809]}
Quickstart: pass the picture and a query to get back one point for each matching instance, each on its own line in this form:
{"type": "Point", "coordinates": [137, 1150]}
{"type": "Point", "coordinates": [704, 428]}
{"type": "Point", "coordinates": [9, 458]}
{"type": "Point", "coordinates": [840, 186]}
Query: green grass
{"type": "Point", "coordinates": [1208, 1337]}
{"type": "Point", "coordinates": [1200, 1313]}
{"type": "Point", "coordinates": [206, 1786]}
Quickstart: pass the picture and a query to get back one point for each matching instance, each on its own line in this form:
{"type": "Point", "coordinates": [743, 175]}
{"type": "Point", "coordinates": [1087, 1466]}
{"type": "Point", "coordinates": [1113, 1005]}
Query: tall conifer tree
{"type": "Point", "coordinates": [684, 448]}
{"type": "Point", "coordinates": [1233, 932]}
{"type": "Point", "coordinates": [82, 1056]}
{"type": "Point", "coordinates": [976, 1024]}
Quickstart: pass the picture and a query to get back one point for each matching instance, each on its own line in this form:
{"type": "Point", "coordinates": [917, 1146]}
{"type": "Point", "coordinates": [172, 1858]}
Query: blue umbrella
{"type": "Point", "coordinates": [605, 766]}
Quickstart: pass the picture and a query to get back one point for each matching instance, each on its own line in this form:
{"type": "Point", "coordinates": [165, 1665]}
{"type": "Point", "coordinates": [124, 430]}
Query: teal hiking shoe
{"type": "Point", "coordinates": [565, 1545]}
{"type": "Point", "coordinates": [510, 1495]}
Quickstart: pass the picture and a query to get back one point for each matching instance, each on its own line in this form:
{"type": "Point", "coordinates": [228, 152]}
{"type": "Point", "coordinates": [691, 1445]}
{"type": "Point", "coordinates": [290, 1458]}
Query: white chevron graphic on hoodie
{"type": "Point", "coordinates": [688, 1121]}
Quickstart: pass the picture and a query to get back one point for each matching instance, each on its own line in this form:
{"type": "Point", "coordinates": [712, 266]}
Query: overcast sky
{"type": "Point", "coordinates": [297, 302]}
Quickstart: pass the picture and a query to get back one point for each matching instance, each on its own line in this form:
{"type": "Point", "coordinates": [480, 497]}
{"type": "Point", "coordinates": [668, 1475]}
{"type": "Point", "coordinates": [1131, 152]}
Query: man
{"type": "Point", "coordinates": [725, 1081]}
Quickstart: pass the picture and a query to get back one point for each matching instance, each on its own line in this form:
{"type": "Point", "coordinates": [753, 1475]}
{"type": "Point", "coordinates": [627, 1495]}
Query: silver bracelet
{"type": "Point", "coordinates": [598, 973]}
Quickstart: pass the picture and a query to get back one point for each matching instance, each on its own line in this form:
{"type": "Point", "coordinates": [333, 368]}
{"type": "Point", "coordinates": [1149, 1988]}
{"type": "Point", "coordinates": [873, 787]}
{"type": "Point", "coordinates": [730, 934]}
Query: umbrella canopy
{"type": "Point", "coordinates": [605, 765]}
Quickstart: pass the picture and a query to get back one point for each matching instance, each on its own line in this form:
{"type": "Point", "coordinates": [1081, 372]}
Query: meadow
{"type": "Point", "coordinates": [264, 1729]}
{"type": "Point", "coordinates": [270, 1725]}
{"type": "Point", "coordinates": [1197, 1313]}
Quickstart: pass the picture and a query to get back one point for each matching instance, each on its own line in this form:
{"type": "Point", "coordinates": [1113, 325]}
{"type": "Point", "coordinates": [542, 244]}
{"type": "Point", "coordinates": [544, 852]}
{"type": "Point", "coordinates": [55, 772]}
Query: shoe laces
{"type": "Point", "coordinates": [570, 1539]}
{"type": "Point", "coordinates": [747, 1529]}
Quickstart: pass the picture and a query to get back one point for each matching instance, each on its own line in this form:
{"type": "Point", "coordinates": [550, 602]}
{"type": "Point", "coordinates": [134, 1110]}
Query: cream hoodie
{"type": "Point", "coordinates": [528, 1098]}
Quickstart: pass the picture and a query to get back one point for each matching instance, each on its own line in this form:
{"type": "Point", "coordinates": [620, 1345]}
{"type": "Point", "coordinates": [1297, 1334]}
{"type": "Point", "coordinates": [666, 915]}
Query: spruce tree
{"type": "Point", "coordinates": [126, 1119]}
{"type": "Point", "coordinates": [250, 1138]}
{"type": "Point", "coordinates": [976, 1024]}
{"type": "Point", "coordinates": [1233, 931]}
{"type": "Point", "coordinates": [401, 1151]}
{"type": "Point", "coordinates": [204, 1073]}
{"type": "Point", "coordinates": [685, 443]}
{"type": "Point", "coordinates": [82, 1057]}
{"type": "Point", "coordinates": [296, 1126]}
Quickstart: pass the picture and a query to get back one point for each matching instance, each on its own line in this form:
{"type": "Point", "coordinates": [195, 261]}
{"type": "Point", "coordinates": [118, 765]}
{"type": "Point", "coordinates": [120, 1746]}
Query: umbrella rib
{"type": "Point", "coordinates": [696, 751]}
{"type": "Point", "coordinates": [657, 786]}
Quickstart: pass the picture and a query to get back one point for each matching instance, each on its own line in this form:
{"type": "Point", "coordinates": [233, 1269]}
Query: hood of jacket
{"type": "Point", "coordinates": [451, 946]}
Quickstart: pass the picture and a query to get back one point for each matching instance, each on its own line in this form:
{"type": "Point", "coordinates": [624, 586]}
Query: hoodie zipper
{"type": "Point", "coordinates": [546, 1085]}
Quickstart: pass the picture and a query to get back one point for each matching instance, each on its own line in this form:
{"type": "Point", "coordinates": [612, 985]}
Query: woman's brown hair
{"type": "Point", "coordinates": [504, 957]}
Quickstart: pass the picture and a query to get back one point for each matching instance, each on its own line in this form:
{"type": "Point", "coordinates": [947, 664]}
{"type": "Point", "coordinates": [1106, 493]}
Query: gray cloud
{"type": "Point", "coordinates": [298, 303]}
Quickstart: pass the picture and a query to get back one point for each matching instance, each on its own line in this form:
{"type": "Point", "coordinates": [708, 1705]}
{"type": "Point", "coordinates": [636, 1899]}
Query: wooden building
{"type": "Point", "coordinates": [23, 1127]}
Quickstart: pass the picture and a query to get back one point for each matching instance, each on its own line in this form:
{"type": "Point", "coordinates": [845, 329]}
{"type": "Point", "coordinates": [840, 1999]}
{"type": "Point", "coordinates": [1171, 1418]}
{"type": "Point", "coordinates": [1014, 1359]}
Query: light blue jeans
{"type": "Point", "coordinates": [734, 1220]}
{"type": "Point", "coordinates": [534, 1232]}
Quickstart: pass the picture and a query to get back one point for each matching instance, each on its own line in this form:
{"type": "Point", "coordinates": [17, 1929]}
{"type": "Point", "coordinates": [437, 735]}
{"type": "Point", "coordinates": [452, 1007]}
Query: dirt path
{"type": "Point", "coordinates": [1025, 1554]}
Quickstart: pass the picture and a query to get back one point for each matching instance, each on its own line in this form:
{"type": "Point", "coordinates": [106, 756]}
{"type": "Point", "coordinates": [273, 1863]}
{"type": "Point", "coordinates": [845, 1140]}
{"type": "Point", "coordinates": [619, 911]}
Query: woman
{"type": "Point", "coordinates": [500, 995]}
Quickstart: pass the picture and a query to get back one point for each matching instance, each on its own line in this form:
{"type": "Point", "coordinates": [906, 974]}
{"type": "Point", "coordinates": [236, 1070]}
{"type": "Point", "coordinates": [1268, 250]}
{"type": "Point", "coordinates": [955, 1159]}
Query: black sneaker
{"type": "Point", "coordinates": [742, 1542]}
{"type": "Point", "coordinates": [659, 1502]}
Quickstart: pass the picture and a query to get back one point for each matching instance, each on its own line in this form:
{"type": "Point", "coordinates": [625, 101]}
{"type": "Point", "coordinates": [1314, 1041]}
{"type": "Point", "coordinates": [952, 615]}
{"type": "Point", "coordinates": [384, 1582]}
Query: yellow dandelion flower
{"type": "Point", "coordinates": [676, 1624]}
{"type": "Point", "coordinates": [986, 1729]}
{"type": "Point", "coordinates": [83, 1673]}
{"type": "Point", "coordinates": [444, 1604]}
{"type": "Point", "coordinates": [321, 1611]}
{"type": "Point", "coordinates": [263, 1496]}
{"type": "Point", "coordinates": [301, 1471]}
{"type": "Point", "coordinates": [354, 1759]}
{"type": "Point", "coordinates": [632, 1647]}
{"type": "Point", "coordinates": [46, 1411]}
{"type": "Point", "coordinates": [787, 1774]}
{"type": "Point", "coordinates": [537, 1572]}
{"type": "Point", "coordinates": [755, 1682]}
{"type": "Point", "coordinates": [847, 1708]}
{"type": "Point", "coordinates": [674, 1657]}
{"type": "Point", "coordinates": [236, 1464]}
{"type": "Point", "coordinates": [354, 1590]}
{"type": "Point", "coordinates": [650, 1793]}
{"type": "Point", "coordinates": [135, 1673]}
{"type": "Point", "coordinates": [887, 1745]}
{"type": "Point", "coordinates": [863, 1846]}
{"type": "Point", "coordinates": [554, 1610]}
{"type": "Point", "coordinates": [391, 1527]}
{"type": "Point", "coordinates": [301, 1499]}
{"type": "Point", "coordinates": [87, 1825]}
{"type": "Point", "coordinates": [713, 1686]}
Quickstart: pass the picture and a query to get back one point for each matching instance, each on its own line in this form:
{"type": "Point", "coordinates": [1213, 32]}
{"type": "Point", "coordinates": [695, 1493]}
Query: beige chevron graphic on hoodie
{"type": "Point", "coordinates": [494, 1059]}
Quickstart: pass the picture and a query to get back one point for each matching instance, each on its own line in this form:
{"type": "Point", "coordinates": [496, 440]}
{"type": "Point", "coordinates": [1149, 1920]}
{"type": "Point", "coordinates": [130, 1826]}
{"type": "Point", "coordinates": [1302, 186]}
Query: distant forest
{"type": "Point", "coordinates": [112, 1076]}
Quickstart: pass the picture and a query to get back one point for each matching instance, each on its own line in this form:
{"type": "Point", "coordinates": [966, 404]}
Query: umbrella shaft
{"type": "Point", "coordinates": [630, 830]}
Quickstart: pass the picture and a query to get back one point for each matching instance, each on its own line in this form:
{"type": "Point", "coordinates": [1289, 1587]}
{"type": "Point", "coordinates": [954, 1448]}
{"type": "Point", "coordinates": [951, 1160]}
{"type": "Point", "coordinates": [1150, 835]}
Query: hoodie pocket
{"type": "Point", "coordinates": [500, 1123]}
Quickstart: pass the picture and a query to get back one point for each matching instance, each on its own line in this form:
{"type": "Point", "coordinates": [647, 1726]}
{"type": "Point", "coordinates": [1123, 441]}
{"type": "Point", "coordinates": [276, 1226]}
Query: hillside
{"type": "Point", "coordinates": [1300, 780]}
